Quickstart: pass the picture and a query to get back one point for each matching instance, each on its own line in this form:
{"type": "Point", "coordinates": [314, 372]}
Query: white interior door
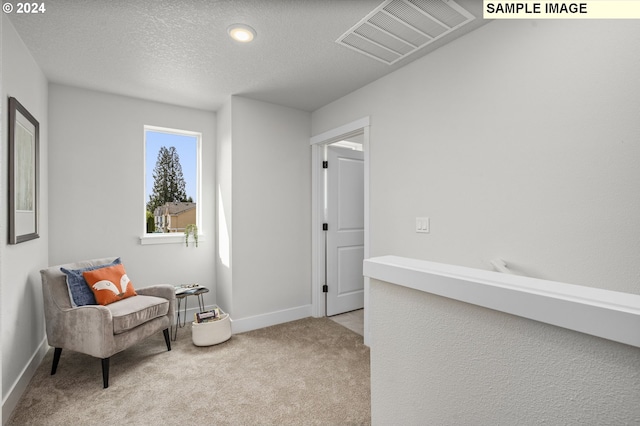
{"type": "Point", "coordinates": [345, 234]}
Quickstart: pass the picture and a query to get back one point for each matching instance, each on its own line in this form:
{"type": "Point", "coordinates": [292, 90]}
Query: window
{"type": "Point", "coordinates": [172, 183]}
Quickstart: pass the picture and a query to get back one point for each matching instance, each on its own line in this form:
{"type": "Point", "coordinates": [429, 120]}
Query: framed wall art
{"type": "Point", "coordinates": [24, 162]}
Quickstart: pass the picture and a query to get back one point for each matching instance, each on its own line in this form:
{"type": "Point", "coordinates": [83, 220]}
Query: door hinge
{"type": "Point", "coordinates": [325, 164]}
{"type": "Point", "coordinates": [325, 226]}
{"type": "Point", "coordinates": [325, 288]}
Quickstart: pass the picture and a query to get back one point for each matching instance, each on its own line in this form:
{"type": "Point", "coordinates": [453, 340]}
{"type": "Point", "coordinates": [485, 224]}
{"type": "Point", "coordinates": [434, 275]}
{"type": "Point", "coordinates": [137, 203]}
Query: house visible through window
{"type": "Point", "coordinates": [172, 180]}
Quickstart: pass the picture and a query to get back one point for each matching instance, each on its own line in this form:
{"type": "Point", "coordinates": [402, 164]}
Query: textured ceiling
{"type": "Point", "coordinates": [178, 51]}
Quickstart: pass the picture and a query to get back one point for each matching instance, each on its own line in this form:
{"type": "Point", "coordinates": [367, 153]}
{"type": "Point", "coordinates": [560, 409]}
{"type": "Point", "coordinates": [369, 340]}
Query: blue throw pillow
{"type": "Point", "coordinates": [79, 291]}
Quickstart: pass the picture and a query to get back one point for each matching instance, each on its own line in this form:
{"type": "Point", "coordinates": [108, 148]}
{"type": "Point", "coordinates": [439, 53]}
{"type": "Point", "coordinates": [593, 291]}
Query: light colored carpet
{"type": "Point", "coordinates": [307, 372]}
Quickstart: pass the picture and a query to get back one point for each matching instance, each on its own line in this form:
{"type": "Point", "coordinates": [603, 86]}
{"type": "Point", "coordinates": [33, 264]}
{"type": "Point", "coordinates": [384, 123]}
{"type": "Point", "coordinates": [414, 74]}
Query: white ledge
{"type": "Point", "coordinates": [169, 238]}
{"type": "Point", "coordinates": [604, 313]}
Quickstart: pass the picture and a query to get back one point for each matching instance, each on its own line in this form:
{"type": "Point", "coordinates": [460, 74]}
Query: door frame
{"type": "Point", "coordinates": [360, 126]}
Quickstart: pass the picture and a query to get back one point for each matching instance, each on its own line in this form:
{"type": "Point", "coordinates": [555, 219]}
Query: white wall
{"type": "Point", "coordinates": [437, 361]}
{"type": "Point", "coordinates": [519, 140]}
{"type": "Point", "coordinates": [224, 217]}
{"type": "Point", "coordinates": [271, 217]}
{"type": "Point", "coordinates": [22, 322]}
{"type": "Point", "coordinates": [96, 179]}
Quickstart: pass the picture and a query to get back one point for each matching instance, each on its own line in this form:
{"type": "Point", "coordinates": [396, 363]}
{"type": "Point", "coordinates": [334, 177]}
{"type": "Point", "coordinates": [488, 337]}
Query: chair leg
{"type": "Point", "coordinates": [167, 338]}
{"type": "Point", "coordinates": [56, 360]}
{"type": "Point", "coordinates": [105, 372]}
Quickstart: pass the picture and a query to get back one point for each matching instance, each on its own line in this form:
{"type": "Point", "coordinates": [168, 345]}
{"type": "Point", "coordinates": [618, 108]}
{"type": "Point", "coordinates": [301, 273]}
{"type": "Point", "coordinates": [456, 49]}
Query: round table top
{"type": "Point", "coordinates": [193, 291]}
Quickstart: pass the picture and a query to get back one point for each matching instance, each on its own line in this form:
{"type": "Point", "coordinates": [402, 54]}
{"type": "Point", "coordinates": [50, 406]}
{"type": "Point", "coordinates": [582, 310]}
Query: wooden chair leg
{"type": "Point", "coordinates": [167, 338]}
{"type": "Point", "coordinates": [105, 372]}
{"type": "Point", "coordinates": [56, 360]}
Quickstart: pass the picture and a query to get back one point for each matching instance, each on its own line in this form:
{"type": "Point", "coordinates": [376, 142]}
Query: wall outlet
{"type": "Point", "coordinates": [422, 225]}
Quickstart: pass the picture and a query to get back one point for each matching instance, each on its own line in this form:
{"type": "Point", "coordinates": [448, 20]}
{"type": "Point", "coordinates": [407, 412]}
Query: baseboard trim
{"type": "Point", "coordinates": [10, 402]}
{"type": "Point", "coordinates": [241, 325]}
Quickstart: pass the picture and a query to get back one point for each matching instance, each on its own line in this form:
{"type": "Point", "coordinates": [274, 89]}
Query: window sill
{"type": "Point", "coordinates": [173, 238]}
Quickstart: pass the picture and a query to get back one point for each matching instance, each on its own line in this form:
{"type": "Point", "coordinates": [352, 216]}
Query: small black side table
{"type": "Point", "coordinates": [196, 291]}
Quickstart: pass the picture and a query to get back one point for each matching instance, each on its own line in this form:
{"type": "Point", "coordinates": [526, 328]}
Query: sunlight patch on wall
{"type": "Point", "coordinates": [223, 233]}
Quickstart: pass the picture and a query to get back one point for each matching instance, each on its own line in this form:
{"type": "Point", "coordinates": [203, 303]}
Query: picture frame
{"type": "Point", "coordinates": [24, 165]}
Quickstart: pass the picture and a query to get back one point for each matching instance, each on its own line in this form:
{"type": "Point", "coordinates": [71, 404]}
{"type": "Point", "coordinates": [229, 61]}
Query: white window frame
{"type": "Point", "coordinates": [176, 237]}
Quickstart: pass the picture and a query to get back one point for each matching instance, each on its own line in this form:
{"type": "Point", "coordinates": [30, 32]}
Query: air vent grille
{"type": "Point", "coordinates": [370, 48]}
{"type": "Point", "coordinates": [414, 18]}
{"type": "Point", "coordinates": [384, 39]}
{"type": "Point", "coordinates": [398, 28]}
{"type": "Point", "coordinates": [440, 11]}
{"type": "Point", "coordinates": [393, 26]}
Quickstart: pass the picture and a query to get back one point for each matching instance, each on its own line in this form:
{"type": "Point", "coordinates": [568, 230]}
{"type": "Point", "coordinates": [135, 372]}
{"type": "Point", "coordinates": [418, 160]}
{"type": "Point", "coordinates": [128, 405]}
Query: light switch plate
{"type": "Point", "coordinates": [422, 225]}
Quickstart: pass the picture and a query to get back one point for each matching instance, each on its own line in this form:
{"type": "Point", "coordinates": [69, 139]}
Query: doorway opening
{"type": "Point", "coordinates": [342, 139]}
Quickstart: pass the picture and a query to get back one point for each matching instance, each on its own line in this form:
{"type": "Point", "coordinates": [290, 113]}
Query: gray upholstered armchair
{"type": "Point", "coordinates": [102, 331]}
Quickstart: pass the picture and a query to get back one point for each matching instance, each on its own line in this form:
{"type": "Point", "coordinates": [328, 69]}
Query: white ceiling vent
{"type": "Point", "coordinates": [398, 28]}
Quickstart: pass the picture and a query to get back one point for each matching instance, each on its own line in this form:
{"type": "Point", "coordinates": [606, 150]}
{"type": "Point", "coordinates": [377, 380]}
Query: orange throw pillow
{"type": "Point", "coordinates": [109, 284]}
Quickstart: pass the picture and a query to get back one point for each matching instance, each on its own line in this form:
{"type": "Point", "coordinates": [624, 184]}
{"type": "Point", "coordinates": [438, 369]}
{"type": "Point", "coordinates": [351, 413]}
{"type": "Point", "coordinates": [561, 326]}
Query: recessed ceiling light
{"type": "Point", "coordinates": [242, 33]}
